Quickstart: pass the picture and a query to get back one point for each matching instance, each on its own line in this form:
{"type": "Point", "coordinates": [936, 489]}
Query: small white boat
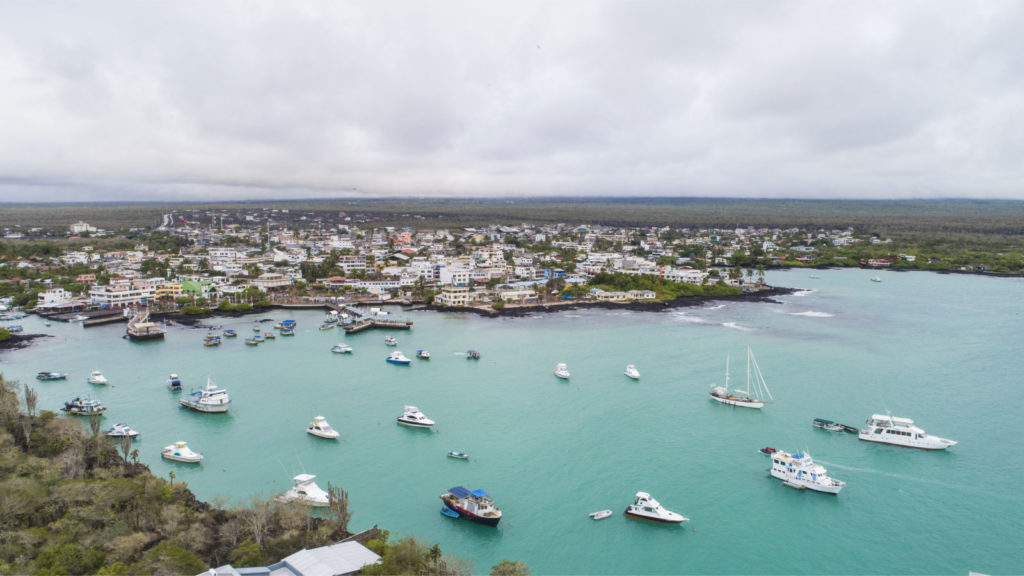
{"type": "Point", "coordinates": [414, 418]}
{"type": "Point", "coordinates": [390, 341]}
{"type": "Point", "coordinates": [397, 357]}
{"type": "Point", "coordinates": [305, 491]}
{"type": "Point", "coordinates": [600, 514]}
{"type": "Point", "coordinates": [632, 372]}
{"type": "Point", "coordinates": [213, 398]}
{"type": "Point", "coordinates": [647, 508]}
{"type": "Point", "coordinates": [122, 430]}
{"type": "Point", "coordinates": [561, 371]}
{"type": "Point", "coordinates": [97, 377]}
{"type": "Point", "coordinates": [180, 452]}
{"type": "Point", "coordinates": [876, 279]}
{"type": "Point", "coordinates": [799, 471]}
{"type": "Point", "coordinates": [320, 427]}
{"type": "Point", "coordinates": [342, 348]}
{"type": "Point", "coordinates": [458, 455]}
{"type": "Point", "coordinates": [423, 354]}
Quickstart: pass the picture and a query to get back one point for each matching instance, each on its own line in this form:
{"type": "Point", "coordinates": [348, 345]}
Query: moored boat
{"type": "Point", "coordinates": [827, 425]}
{"type": "Point", "coordinates": [397, 357]}
{"type": "Point", "coordinates": [51, 376]}
{"type": "Point", "coordinates": [600, 514]}
{"type": "Point", "coordinates": [472, 355]}
{"type": "Point", "coordinates": [326, 326]}
{"type": "Point", "coordinates": [251, 342]}
{"type": "Point", "coordinates": [413, 418]}
{"type": "Point", "coordinates": [320, 427]}
{"type": "Point", "coordinates": [744, 398]}
{"type": "Point", "coordinates": [475, 506]}
{"type": "Point", "coordinates": [97, 377]}
{"type": "Point", "coordinates": [180, 452]}
{"type": "Point", "coordinates": [269, 335]}
{"type": "Point", "coordinates": [212, 398]}
{"type": "Point", "coordinates": [768, 450]}
{"type": "Point", "coordinates": [799, 471]}
{"type": "Point", "coordinates": [390, 341]}
{"type": "Point", "coordinates": [646, 508]}
{"type": "Point", "coordinates": [287, 332]}
{"type": "Point", "coordinates": [889, 429]}
{"type": "Point", "coordinates": [305, 491]}
{"type": "Point", "coordinates": [79, 406]}
{"type": "Point", "coordinates": [121, 430]}
{"type": "Point", "coordinates": [341, 348]}
{"type": "Point", "coordinates": [458, 455]}
{"type": "Point", "coordinates": [632, 372]}
{"type": "Point", "coordinates": [562, 371]}
{"type": "Point", "coordinates": [230, 333]}
{"type": "Point", "coordinates": [423, 354]}
{"type": "Point", "coordinates": [173, 382]}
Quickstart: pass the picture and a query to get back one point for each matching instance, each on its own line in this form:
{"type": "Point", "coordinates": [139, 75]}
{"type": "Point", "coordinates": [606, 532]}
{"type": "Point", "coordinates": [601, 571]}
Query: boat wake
{"type": "Point", "coordinates": [812, 314]}
{"type": "Point", "coordinates": [736, 326]}
{"type": "Point", "coordinates": [690, 319]}
{"type": "Point", "coordinates": [803, 292]}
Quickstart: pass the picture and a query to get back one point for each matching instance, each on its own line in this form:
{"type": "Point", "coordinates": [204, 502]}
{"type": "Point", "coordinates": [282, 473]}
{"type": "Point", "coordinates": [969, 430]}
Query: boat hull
{"type": "Point", "coordinates": [322, 434]}
{"type": "Point", "coordinates": [810, 485]}
{"type": "Point", "coordinates": [204, 407]}
{"type": "Point", "coordinates": [738, 403]}
{"type": "Point", "coordinates": [399, 362]}
{"type": "Point", "coordinates": [414, 424]}
{"type": "Point", "coordinates": [656, 519]}
{"type": "Point", "coordinates": [919, 445]}
{"type": "Point", "coordinates": [185, 459]}
{"type": "Point", "coordinates": [141, 336]}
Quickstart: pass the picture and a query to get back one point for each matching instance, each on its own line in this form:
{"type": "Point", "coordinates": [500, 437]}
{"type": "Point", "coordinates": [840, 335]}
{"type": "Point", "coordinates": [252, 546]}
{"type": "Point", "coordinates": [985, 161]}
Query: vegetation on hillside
{"type": "Point", "coordinates": [664, 289]}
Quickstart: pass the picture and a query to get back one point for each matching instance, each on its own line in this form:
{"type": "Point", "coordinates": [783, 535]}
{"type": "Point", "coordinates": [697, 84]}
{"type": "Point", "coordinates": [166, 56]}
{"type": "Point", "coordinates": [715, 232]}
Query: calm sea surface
{"type": "Point", "coordinates": [945, 350]}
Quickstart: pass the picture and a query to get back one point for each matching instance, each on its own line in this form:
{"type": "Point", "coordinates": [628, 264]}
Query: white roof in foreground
{"type": "Point", "coordinates": [334, 560]}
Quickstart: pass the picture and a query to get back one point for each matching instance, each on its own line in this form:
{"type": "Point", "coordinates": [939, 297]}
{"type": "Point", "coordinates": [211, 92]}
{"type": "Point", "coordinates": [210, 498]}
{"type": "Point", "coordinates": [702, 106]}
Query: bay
{"type": "Point", "coordinates": [941, 349]}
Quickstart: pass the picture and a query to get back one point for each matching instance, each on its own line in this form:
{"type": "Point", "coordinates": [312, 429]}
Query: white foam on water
{"type": "Point", "coordinates": [812, 314]}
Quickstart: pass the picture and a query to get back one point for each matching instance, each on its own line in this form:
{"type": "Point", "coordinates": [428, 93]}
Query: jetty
{"type": "Point", "coordinates": [363, 321]}
{"type": "Point", "coordinates": [140, 328]}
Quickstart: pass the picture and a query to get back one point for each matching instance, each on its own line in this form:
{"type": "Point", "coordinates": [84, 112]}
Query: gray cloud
{"type": "Point", "coordinates": [869, 99]}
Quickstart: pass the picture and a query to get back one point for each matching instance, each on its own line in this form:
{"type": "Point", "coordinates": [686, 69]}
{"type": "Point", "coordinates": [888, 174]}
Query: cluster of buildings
{"type": "Point", "coordinates": [456, 267]}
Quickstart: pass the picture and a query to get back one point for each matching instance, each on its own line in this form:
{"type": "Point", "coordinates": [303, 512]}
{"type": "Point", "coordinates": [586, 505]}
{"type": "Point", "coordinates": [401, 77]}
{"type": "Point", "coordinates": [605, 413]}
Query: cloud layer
{"type": "Point", "coordinates": [197, 100]}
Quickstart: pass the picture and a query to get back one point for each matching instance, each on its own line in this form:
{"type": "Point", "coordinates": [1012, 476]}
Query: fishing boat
{"type": "Point", "coordinates": [632, 372]}
{"type": "Point", "coordinates": [326, 326]}
{"type": "Point", "coordinates": [756, 394]}
{"type": "Point", "coordinates": [458, 455]}
{"type": "Point", "coordinates": [287, 332]}
{"type": "Point", "coordinates": [646, 508]}
{"type": "Point", "coordinates": [472, 355]}
{"type": "Point", "coordinates": [341, 348]}
{"type": "Point", "coordinates": [211, 341]}
{"type": "Point", "coordinates": [79, 406]}
{"type": "Point", "coordinates": [212, 398]}
{"type": "Point", "coordinates": [799, 471]}
{"type": "Point", "coordinates": [397, 357]}
{"type": "Point", "coordinates": [561, 371]}
{"type": "Point", "coordinates": [413, 418]}
{"type": "Point", "coordinates": [320, 427]}
{"type": "Point", "coordinates": [269, 335]}
{"type": "Point", "coordinates": [97, 377]}
{"type": "Point", "coordinates": [284, 325]}
{"type": "Point", "coordinates": [51, 376]}
{"type": "Point", "coordinates": [180, 452]}
{"type": "Point", "coordinates": [600, 514]}
{"type": "Point", "coordinates": [257, 329]}
{"type": "Point", "coordinates": [173, 382]}
{"type": "Point", "coordinates": [423, 354]}
{"type": "Point", "coordinates": [251, 342]}
{"type": "Point", "coordinates": [230, 333]}
{"type": "Point", "coordinates": [827, 425]}
{"type": "Point", "coordinates": [475, 506]}
{"type": "Point", "coordinates": [331, 317]}
{"type": "Point", "coordinates": [390, 341]}
{"type": "Point", "coordinates": [258, 339]}
{"type": "Point", "coordinates": [121, 430]}
{"type": "Point", "coordinates": [305, 491]}
{"type": "Point", "coordinates": [889, 429]}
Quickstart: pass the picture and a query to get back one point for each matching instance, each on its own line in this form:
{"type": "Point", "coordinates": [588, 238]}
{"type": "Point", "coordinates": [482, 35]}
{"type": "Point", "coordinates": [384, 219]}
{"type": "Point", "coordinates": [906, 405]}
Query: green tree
{"type": "Point", "coordinates": [510, 568]}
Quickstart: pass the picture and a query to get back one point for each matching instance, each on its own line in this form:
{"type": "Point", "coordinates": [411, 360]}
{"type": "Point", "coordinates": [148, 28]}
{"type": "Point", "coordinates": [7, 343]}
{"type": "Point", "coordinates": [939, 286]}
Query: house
{"type": "Point", "coordinates": [338, 559]}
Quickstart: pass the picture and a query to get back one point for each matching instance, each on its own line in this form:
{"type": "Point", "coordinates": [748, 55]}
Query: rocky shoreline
{"type": "Point", "coordinates": [19, 341]}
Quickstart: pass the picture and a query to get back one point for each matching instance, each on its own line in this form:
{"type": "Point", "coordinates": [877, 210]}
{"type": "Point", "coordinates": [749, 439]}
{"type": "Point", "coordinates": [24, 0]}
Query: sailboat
{"type": "Point", "coordinates": [755, 396]}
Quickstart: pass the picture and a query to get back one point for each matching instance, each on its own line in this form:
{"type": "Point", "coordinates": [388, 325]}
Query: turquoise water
{"type": "Point", "coordinates": [942, 349]}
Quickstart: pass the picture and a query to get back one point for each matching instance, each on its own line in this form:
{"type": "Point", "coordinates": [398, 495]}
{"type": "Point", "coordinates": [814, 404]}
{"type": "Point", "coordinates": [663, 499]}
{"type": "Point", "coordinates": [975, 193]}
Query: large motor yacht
{"type": "Point", "coordinates": [647, 508]}
{"type": "Point", "coordinates": [799, 471]}
{"type": "Point", "coordinates": [889, 429]}
{"type": "Point", "coordinates": [414, 418]}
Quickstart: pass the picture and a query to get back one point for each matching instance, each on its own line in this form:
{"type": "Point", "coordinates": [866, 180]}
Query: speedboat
{"type": "Point", "coordinates": [600, 514]}
{"type": "Point", "coordinates": [472, 355]}
{"type": "Point", "coordinates": [180, 452]}
{"type": "Point", "coordinates": [51, 376]}
{"type": "Point", "coordinates": [326, 326]}
{"type": "Point", "coordinates": [341, 348]}
{"type": "Point", "coordinates": [97, 377]}
{"type": "Point", "coordinates": [305, 491]}
{"type": "Point", "coordinates": [79, 406]}
{"type": "Point", "coordinates": [121, 431]}
{"type": "Point", "coordinates": [423, 354]}
{"type": "Point", "coordinates": [889, 429]}
{"type": "Point", "coordinates": [632, 372]}
{"type": "Point", "coordinates": [458, 455]}
{"type": "Point", "coordinates": [475, 506]}
{"type": "Point", "coordinates": [320, 427]}
{"type": "Point", "coordinates": [173, 382]}
{"type": "Point", "coordinates": [561, 371]}
{"type": "Point", "coordinates": [827, 425]}
{"type": "Point", "coordinates": [768, 450]}
{"type": "Point", "coordinates": [876, 279]}
{"type": "Point", "coordinates": [390, 341]}
{"type": "Point", "coordinates": [799, 471]}
{"type": "Point", "coordinates": [412, 417]}
{"type": "Point", "coordinates": [212, 398]}
{"type": "Point", "coordinates": [647, 508]}
{"type": "Point", "coordinates": [397, 357]}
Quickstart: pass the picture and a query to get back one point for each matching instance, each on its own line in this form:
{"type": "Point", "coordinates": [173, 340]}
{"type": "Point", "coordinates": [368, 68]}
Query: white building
{"type": "Point", "coordinates": [80, 227]}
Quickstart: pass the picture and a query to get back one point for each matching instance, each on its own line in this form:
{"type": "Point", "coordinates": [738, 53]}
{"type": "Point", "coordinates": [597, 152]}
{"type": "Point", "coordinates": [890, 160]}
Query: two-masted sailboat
{"type": "Point", "coordinates": [756, 394]}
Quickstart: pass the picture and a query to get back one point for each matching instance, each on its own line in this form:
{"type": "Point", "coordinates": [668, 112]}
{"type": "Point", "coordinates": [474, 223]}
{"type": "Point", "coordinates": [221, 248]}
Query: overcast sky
{"type": "Point", "coordinates": [231, 100]}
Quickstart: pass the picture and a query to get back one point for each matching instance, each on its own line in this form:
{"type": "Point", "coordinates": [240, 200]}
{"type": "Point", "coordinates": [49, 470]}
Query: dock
{"type": "Point", "coordinates": [363, 321]}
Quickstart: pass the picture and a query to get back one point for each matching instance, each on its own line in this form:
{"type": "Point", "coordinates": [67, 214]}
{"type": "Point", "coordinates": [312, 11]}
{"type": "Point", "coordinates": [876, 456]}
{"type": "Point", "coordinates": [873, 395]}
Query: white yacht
{"type": "Point", "coordinates": [414, 418]}
{"type": "Point", "coordinates": [213, 398]}
{"type": "Point", "coordinates": [397, 357]}
{"type": "Point", "coordinates": [632, 372]}
{"type": "Point", "coordinates": [561, 371]}
{"type": "Point", "coordinates": [390, 341]}
{"type": "Point", "coordinates": [122, 430]}
{"type": "Point", "coordinates": [647, 508]}
{"type": "Point", "coordinates": [342, 348]}
{"type": "Point", "coordinates": [306, 491]}
{"type": "Point", "coordinates": [180, 452]}
{"type": "Point", "coordinates": [320, 427]}
{"type": "Point", "coordinates": [889, 429]}
{"type": "Point", "coordinates": [423, 354]}
{"type": "Point", "coordinates": [799, 471]}
{"type": "Point", "coordinates": [97, 377]}
{"type": "Point", "coordinates": [755, 396]}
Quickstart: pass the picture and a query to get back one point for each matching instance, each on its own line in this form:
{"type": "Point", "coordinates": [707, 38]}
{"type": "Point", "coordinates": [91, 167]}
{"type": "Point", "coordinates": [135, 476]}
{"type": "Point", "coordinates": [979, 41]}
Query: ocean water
{"type": "Point", "coordinates": [944, 350]}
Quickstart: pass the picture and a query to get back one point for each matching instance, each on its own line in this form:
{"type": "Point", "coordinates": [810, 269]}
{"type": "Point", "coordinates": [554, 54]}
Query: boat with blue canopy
{"type": "Point", "coordinates": [475, 506]}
